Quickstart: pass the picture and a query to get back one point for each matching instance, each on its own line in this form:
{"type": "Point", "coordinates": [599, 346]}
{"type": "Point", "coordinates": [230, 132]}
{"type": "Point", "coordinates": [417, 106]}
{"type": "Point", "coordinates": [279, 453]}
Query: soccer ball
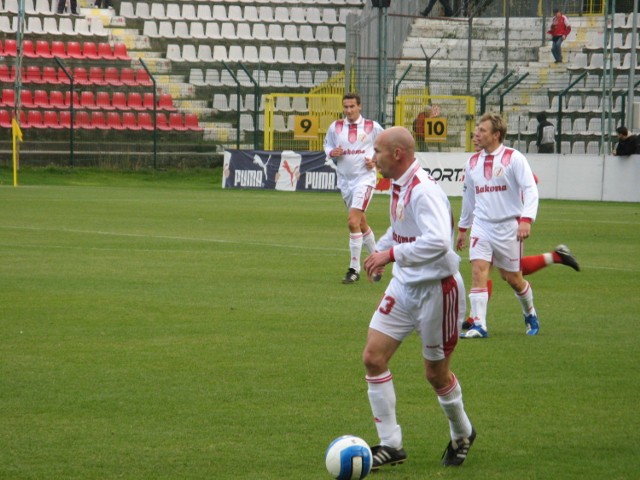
{"type": "Point", "coordinates": [348, 458]}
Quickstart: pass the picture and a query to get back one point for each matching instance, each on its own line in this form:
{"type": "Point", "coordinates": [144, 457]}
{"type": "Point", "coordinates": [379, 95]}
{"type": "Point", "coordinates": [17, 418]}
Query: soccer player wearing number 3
{"type": "Point", "coordinates": [425, 295]}
{"type": "Point", "coordinates": [349, 142]}
{"type": "Point", "coordinates": [499, 204]}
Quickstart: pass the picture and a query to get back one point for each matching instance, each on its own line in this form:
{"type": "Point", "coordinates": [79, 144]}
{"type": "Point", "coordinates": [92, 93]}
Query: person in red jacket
{"type": "Point", "coordinates": [560, 28]}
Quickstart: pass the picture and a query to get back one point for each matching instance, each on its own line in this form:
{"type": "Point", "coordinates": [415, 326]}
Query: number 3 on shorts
{"type": "Point", "coordinates": [386, 305]}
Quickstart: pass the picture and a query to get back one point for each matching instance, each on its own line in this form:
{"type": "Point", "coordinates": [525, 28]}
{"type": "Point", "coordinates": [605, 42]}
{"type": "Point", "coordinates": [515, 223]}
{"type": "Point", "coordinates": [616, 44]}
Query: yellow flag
{"type": "Point", "coordinates": [15, 129]}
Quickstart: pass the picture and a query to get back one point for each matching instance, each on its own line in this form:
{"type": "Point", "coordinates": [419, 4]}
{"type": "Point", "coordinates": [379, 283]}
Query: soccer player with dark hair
{"type": "Point", "coordinates": [349, 143]}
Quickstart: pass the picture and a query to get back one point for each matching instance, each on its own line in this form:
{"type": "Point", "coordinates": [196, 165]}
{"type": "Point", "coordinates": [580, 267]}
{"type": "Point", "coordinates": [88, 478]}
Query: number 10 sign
{"type": "Point", "coordinates": [435, 129]}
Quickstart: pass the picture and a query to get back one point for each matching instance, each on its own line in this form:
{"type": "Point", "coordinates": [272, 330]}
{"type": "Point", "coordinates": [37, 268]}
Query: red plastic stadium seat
{"type": "Point", "coordinates": [165, 102]}
{"type": "Point", "coordinates": [56, 99]}
{"type": "Point", "coordinates": [74, 50]}
{"type": "Point", "coordinates": [120, 52]}
{"type": "Point", "coordinates": [105, 52]}
{"type": "Point", "coordinates": [62, 77]}
{"type": "Point", "coordinates": [29, 49]}
{"type": "Point", "coordinates": [112, 76]}
{"type": "Point", "coordinates": [142, 78]}
{"type": "Point", "coordinates": [87, 100]}
{"type": "Point", "coordinates": [134, 101]}
{"type": "Point", "coordinates": [10, 47]}
{"type": "Point", "coordinates": [191, 122]}
{"type": "Point", "coordinates": [90, 51]}
{"type": "Point", "coordinates": [1, 48]}
{"type": "Point", "coordinates": [119, 101]}
{"type": "Point", "coordinates": [128, 77]}
{"type": "Point", "coordinates": [40, 99]}
{"type": "Point", "coordinates": [80, 76]}
{"type": "Point", "coordinates": [8, 97]}
{"type": "Point", "coordinates": [98, 121]}
{"type": "Point", "coordinates": [5, 74]}
{"type": "Point", "coordinates": [43, 50]}
{"type": "Point", "coordinates": [96, 76]}
{"type": "Point", "coordinates": [26, 99]}
{"type": "Point", "coordinates": [82, 120]}
{"type": "Point", "coordinates": [67, 99]}
{"type": "Point", "coordinates": [162, 123]}
{"type": "Point", "coordinates": [103, 101]}
{"type": "Point", "coordinates": [176, 122]}
{"type": "Point", "coordinates": [58, 49]}
{"type": "Point", "coordinates": [5, 119]}
{"type": "Point", "coordinates": [50, 120]}
{"type": "Point", "coordinates": [34, 118]}
{"type": "Point", "coordinates": [50, 75]}
{"type": "Point", "coordinates": [24, 123]}
{"type": "Point", "coordinates": [65, 119]}
{"type": "Point", "coordinates": [32, 75]}
{"type": "Point", "coordinates": [129, 121]}
{"type": "Point", "coordinates": [144, 121]}
{"type": "Point", "coordinates": [148, 100]}
{"type": "Point", "coordinates": [114, 122]}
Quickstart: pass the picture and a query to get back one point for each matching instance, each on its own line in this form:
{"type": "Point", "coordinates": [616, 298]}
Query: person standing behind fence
{"type": "Point", "coordinates": [349, 142]}
{"type": "Point", "coordinates": [448, 11]}
{"type": "Point", "coordinates": [627, 144]}
{"type": "Point", "coordinates": [559, 31]}
{"type": "Point", "coordinates": [545, 134]}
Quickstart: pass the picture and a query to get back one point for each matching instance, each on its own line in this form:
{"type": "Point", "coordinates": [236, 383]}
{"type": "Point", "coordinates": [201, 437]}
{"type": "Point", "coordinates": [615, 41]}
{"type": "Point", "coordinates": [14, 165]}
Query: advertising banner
{"type": "Point", "coordinates": [286, 170]}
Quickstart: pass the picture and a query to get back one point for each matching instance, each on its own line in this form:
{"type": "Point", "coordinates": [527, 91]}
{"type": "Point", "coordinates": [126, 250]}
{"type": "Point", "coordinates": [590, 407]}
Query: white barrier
{"type": "Point", "coordinates": [562, 177]}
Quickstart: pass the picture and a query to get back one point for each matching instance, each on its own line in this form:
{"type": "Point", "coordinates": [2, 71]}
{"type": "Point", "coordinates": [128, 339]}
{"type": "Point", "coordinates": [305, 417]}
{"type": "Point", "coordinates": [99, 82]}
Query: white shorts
{"type": "Point", "coordinates": [357, 196]}
{"type": "Point", "coordinates": [496, 243]}
{"type": "Point", "coordinates": [435, 310]}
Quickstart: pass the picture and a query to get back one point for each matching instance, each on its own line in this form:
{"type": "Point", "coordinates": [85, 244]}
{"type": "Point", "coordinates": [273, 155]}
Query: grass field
{"type": "Point", "coordinates": [156, 327]}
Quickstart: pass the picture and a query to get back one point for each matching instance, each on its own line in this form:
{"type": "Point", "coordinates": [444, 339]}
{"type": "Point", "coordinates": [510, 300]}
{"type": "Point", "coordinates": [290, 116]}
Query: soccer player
{"type": "Point", "coordinates": [426, 295]}
{"type": "Point", "coordinates": [499, 203]}
{"type": "Point", "coordinates": [532, 263]}
{"type": "Point", "coordinates": [349, 142]}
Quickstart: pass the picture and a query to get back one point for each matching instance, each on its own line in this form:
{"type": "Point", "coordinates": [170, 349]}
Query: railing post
{"type": "Point", "coordinates": [71, 111]}
{"type": "Point", "coordinates": [155, 114]}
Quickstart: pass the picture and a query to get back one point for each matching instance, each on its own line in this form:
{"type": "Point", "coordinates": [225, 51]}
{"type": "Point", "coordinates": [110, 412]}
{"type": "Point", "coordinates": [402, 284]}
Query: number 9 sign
{"type": "Point", "coordinates": [305, 127]}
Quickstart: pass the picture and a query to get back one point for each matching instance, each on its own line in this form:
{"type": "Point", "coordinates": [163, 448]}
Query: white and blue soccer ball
{"type": "Point", "coordinates": [348, 458]}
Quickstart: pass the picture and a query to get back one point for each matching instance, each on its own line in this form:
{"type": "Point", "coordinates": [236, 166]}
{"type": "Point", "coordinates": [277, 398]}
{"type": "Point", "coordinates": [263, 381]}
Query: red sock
{"type": "Point", "coordinates": [532, 264]}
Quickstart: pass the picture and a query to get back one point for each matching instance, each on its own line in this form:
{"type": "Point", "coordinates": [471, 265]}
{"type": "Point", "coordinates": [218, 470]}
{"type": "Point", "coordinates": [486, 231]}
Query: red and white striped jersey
{"type": "Point", "coordinates": [497, 187]}
{"type": "Point", "coordinates": [421, 231]}
{"type": "Point", "coordinates": [356, 139]}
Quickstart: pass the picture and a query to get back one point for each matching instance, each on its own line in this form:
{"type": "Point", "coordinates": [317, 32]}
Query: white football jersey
{"type": "Point", "coordinates": [421, 231]}
{"type": "Point", "coordinates": [497, 187]}
{"type": "Point", "coordinates": [356, 139]}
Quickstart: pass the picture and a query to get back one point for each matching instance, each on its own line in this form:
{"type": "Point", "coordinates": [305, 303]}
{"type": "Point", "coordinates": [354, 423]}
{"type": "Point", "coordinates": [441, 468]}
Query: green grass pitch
{"type": "Point", "coordinates": [160, 328]}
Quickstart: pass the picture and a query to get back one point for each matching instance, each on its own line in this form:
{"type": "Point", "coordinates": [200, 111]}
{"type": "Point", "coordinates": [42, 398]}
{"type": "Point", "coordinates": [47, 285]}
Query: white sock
{"type": "Point", "coordinates": [450, 399]}
{"type": "Point", "coordinates": [382, 397]}
{"type": "Point", "coordinates": [369, 241]}
{"type": "Point", "coordinates": [525, 297]}
{"type": "Point", "coordinates": [355, 245]}
{"type": "Point", "coordinates": [479, 299]}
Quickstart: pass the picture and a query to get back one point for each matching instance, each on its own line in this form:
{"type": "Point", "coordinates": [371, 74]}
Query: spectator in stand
{"type": "Point", "coordinates": [418, 129]}
{"type": "Point", "coordinates": [448, 11]}
{"type": "Point", "coordinates": [73, 5]}
{"type": "Point", "coordinates": [559, 31]}
{"type": "Point", "coordinates": [103, 4]}
{"type": "Point", "coordinates": [545, 134]}
{"type": "Point", "coordinates": [627, 144]}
